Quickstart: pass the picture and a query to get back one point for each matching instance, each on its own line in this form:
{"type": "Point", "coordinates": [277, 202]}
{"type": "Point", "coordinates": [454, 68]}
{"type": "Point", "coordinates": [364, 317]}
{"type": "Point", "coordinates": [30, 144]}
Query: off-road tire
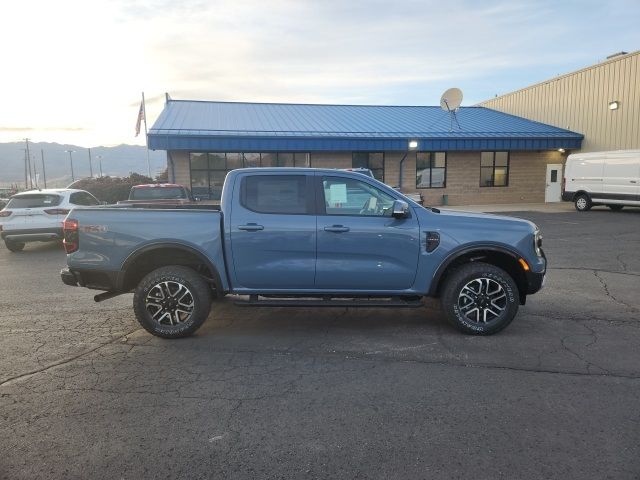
{"type": "Point", "coordinates": [199, 294]}
{"type": "Point", "coordinates": [14, 246]}
{"type": "Point", "coordinates": [476, 273]}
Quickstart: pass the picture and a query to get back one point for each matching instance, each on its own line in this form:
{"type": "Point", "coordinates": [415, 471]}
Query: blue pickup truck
{"type": "Point", "coordinates": [304, 237]}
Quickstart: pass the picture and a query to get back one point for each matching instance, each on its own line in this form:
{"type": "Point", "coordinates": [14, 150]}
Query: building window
{"type": "Point", "coordinates": [208, 170]}
{"type": "Point", "coordinates": [374, 161]}
{"type": "Point", "coordinates": [494, 169]}
{"type": "Point", "coordinates": [431, 170]}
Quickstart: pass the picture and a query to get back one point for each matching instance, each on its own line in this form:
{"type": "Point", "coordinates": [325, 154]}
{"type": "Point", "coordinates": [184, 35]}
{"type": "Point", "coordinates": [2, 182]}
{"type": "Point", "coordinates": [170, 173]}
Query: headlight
{"type": "Point", "coordinates": [537, 242]}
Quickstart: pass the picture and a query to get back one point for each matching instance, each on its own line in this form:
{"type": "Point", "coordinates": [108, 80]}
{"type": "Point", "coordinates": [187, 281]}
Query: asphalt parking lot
{"type": "Point", "coordinates": [333, 393]}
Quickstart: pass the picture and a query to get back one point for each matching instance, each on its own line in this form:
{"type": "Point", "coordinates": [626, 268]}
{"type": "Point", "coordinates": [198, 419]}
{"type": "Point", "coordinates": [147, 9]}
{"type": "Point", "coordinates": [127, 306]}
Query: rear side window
{"type": "Point", "coordinates": [284, 194]}
{"type": "Point", "coordinates": [34, 200]}
{"type": "Point", "coordinates": [83, 198]}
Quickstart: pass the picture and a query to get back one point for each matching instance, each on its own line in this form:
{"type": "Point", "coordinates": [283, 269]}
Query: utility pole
{"type": "Point", "coordinates": [26, 170]}
{"type": "Point", "coordinates": [73, 178]}
{"type": "Point", "coordinates": [44, 173]}
{"type": "Point", "coordinates": [29, 162]}
{"type": "Point", "coordinates": [35, 174]}
{"type": "Point", "coordinates": [100, 160]}
{"type": "Point", "coordinates": [90, 167]}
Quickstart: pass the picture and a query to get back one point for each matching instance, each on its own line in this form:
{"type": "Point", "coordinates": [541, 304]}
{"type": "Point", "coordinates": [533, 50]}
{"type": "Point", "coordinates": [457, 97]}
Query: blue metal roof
{"type": "Point", "coordinates": [230, 126]}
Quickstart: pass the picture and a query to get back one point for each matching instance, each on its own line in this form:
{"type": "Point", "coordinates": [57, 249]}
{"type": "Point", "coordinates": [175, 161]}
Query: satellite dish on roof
{"type": "Point", "coordinates": [451, 99]}
{"type": "Point", "coordinates": [450, 102]}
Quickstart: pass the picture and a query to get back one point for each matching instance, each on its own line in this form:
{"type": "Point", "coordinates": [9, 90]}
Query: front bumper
{"type": "Point", "coordinates": [568, 196]}
{"type": "Point", "coordinates": [33, 235]}
{"type": "Point", "coordinates": [535, 280]}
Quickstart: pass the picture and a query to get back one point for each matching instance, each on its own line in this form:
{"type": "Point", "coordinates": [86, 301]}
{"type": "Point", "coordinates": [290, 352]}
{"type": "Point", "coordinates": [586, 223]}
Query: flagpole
{"type": "Point", "coordinates": [146, 138]}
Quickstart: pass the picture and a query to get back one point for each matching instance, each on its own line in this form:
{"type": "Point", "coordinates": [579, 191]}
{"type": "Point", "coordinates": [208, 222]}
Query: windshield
{"type": "Point", "coordinates": [34, 200]}
{"type": "Point", "coordinates": [157, 193]}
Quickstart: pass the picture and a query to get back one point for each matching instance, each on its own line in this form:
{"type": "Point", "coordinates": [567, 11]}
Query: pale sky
{"type": "Point", "coordinates": [73, 70]}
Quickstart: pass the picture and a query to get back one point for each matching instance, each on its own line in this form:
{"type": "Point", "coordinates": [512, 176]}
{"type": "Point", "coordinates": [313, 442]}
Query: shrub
{"type": "Point", "coordinates": [111, 189]}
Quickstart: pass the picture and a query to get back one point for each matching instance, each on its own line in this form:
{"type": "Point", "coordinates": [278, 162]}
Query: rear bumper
{"type": "Point", "coordinates": [33, 235]}
{"type": "Point", "coordinates": [94, 279]}
{"type": "Point", "coordinates": [568, 196]}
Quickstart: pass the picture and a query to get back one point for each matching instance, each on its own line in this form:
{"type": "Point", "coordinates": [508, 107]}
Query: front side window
{"type": "Point", "coordinates": [345, 196]}
{"type": "Point", "coordinates": [276, 194]}
{"type": "Point", "coordinates": [431, 170]}
{"type": "Point", "coordinates": [494, 169]}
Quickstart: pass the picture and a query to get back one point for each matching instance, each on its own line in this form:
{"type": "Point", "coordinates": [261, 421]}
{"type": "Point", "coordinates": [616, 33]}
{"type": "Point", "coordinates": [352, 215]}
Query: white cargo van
{"type": "Point", "coordinates": [602, 178]}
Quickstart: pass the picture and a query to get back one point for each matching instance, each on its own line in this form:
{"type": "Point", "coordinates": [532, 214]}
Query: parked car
{"type": "Point", "coordinates": [37, 215]}
{"type": "Point", "coordinates": [602, 178]}
{"type": "Point", "coordinates": [305, 237]}
{"type": "Point", "coordinates": [159, 194]}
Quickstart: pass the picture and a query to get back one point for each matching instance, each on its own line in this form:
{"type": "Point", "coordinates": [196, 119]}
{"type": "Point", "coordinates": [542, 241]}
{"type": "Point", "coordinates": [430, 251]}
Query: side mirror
{"type": "Point", "coordinates": [400, 209]}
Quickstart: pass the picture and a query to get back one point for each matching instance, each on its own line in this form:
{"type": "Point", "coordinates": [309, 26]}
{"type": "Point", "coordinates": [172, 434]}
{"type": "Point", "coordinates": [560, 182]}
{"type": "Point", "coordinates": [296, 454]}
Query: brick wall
{"type": "Point", "coordinates": [527, 171]}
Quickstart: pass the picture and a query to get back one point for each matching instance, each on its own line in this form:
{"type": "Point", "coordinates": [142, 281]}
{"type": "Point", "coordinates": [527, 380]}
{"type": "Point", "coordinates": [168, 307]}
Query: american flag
{"type": "Point", "coordinates": [140, 118]}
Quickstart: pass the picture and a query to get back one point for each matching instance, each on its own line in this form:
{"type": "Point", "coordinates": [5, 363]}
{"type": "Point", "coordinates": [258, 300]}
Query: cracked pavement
{"type": "Point", "coordinates": [330, 393]}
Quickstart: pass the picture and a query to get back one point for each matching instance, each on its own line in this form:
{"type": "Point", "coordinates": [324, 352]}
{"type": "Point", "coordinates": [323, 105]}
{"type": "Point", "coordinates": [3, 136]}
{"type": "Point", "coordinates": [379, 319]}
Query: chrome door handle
{"type": "Point", "coordinates": [336, 229]}
{"type": "Point", "coordinates": [250, 227]}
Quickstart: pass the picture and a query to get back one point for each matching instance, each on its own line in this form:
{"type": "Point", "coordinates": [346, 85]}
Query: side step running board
{"type": "Point", "coordinates": [395, 302]}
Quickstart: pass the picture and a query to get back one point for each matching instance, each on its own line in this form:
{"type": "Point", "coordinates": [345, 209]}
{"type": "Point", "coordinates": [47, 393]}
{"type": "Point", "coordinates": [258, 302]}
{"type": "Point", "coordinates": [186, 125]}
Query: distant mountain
{"type": "Point", "coordinates": [116, 161]}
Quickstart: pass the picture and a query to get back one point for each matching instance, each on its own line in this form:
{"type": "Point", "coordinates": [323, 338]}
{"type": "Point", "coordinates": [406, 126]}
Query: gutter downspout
{"type": "Point", "coordinates": [401, 170]}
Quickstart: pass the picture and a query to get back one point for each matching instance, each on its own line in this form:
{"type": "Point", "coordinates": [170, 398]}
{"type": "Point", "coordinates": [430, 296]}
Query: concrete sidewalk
{"type": "Point", "coordinates": [557, 207]}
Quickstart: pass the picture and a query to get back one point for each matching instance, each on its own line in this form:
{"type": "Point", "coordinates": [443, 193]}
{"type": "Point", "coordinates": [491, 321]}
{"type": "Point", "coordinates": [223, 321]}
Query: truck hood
{"type": "Point", "coordinates": [485, 220]}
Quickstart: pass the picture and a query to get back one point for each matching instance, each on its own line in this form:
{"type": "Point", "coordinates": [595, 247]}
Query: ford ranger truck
{"type": "Point", "coordinates": [305, 237]}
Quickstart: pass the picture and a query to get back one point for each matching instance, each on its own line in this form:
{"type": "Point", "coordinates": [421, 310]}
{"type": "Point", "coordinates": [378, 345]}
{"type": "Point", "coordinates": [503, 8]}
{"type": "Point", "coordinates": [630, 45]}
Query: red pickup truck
{"type": "Point", "coordinates": [159, 194]}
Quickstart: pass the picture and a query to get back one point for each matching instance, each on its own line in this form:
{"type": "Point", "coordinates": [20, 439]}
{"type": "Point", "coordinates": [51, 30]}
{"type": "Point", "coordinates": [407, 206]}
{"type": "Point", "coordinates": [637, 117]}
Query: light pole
{"type": "Point", "coordinates": [73, 178]}
{"type": "Point", "coordinates": [29, 162]}
{"type": "Point", "coordinates": [44, 172]}
{"type": "Point", "coordinates": [100, 160]}
{"type": "Point", "coordinates": [90, 167]}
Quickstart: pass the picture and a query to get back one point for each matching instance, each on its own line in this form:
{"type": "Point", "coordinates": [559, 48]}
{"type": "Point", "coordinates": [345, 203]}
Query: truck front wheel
{"type": "Point", "coordinates": [479, 298]}
{"type": "Point", "coordinates": [172, 302]}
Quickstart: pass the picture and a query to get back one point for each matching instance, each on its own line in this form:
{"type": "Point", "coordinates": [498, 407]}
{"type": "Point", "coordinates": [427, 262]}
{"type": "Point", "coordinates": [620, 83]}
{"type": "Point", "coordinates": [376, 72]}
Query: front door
{"type": "Point", "coordinates": [553, 191]}
{"type": "Point", "coordinates": [273, 232]}
{"type": "Point", "coordinates": [360, 245]}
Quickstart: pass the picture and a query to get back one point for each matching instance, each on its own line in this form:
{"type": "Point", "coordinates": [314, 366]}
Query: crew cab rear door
{"type": "Point", "coordinates": [273, 231]}
{"type": "Point", "coordinates": [360, 245]}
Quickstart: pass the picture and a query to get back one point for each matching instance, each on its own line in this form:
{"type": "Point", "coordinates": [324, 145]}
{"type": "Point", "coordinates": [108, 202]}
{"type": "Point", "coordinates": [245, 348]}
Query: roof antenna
{"type": "Point", "coordinates": [450, 102]}
{"type": "Point", "coordinates": [167, 98]}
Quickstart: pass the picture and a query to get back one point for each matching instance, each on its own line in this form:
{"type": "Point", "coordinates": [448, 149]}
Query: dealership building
{"type": "Point", "coordinates": [481, 156]}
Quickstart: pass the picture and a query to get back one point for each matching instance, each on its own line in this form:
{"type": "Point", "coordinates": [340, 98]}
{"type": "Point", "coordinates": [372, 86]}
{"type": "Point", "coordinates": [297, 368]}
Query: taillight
{"type": "Point", "coordinates": [564, 183]}
{"type": "Point", "coordinates": [5, 213]}
{"type": "Point", "coordinates": [57, 211]}
{"type": "Point", "coordinates": [71, 238]}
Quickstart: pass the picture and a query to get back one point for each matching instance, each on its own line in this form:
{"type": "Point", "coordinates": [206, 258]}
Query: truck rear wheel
{"type": "Point", "coordinates": [480, 299]}
{"type": "Point", "coordinates": [172, 302]}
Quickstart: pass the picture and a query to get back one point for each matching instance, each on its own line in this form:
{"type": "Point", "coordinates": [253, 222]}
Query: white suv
{"type": "Point", "coordinates": [37, 215]}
